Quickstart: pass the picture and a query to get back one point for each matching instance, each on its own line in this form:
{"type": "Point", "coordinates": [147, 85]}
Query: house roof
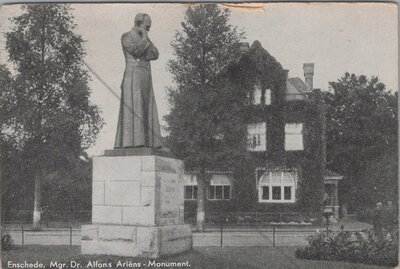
{"type": "Point", "coordinates": [298, 84]}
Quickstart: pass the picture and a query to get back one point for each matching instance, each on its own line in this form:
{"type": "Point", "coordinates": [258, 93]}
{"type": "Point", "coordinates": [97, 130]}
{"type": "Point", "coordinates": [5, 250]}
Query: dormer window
{"type": "Point", "coordinates": [260, 96]}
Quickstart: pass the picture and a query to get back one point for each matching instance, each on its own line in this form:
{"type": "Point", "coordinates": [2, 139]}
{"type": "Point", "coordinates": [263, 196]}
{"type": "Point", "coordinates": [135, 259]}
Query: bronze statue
{"type": "Point", "coordinates": [138, 124]}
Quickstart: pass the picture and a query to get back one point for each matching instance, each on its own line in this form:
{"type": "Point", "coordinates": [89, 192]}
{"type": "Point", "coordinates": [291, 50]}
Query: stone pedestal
{"type": "Point", "coordinates": [137, 206]}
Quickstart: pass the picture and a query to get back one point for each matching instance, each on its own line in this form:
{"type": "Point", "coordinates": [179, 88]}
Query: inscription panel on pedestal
{"type": "Point", "coordinates": [171, 197]}
{"type": "Point", "coordinates": [122, 193]}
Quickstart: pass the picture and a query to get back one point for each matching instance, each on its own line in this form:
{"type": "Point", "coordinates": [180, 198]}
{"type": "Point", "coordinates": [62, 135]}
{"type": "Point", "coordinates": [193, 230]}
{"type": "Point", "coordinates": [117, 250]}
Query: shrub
{"type": "Point", "coordinates": [7, 242]}
{"type": "Point", "coordinates": [364, 247]}
{"type": "Point", "coordinates": [390, 217]}
{"type": "Point", "coordinates": [365, 214]}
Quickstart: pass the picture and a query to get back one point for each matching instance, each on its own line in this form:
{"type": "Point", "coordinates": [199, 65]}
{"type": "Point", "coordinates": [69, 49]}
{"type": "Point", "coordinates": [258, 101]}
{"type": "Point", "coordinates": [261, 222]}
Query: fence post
{"type": "Point", "coordinates": [70, 235]}
{"type": "Point", "coordinates": [222, 226]}
{"type": "Point", "coordinates": [273, 236]}
{"type": "Point", "coordinates": [22, 234]}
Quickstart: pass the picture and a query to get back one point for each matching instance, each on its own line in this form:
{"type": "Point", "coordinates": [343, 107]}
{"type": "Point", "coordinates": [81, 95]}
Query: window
{"type": "Point", "coordinates": [265, 193]}
{"type": "Point", "coordinates": [287, 193]}
{"type": "Point", "coordinates": [190, 192]}
{"type": "Point", "coordinates": [219, 192]}
{"type": "Point", "coordinates": [219, 189]}
{"type": "Point", "coordinates": [294, 136]}
{"type": "Point", "coordinates": [276, 193]}
{"type": "Point", "coordinates": [257, 136]}
{"type": "Point", "coordinates": [257, 94]}
{"type": "Point", "coordinates": [277, 187]}
{"type": "Point", "coordinates": [267, 96]}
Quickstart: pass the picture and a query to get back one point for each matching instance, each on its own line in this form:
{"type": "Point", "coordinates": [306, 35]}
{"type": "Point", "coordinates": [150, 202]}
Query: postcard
{"type": "Point", "coordinates": [199, 135]}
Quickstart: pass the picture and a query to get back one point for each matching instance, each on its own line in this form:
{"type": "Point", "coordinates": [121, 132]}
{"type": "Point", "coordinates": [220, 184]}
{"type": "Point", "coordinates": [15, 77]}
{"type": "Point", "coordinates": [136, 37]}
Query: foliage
{"type": "Point", "coordinates": [7, 242]}
{"type": "Point", "coordinates": [364, 247]}
{"type": "Point", "coordinates": [381, 178]}
{"type": "Point", "coordinates": [51, 87]}
{"type": "Point", "coordinates": [205, 46]}
{"type": "Point", "coordinates": [311, 186]}
{"type": "Point", "coordinates": [51, 118]}
{"type": "Point", "coordinates": [388, 218]}
{"type": "Point", "coordinates": [267, 72]}
{"type": "Point", "coordinates": [204, 125]}
{"type": "Point", "coordinates": [361, 120]}
{"type": "Point", "coordinates": [73, 193]}
{"type": "Point", "coordinates": [9, 153]}
{"type": "Point", "coordinates": [259, 67]}
{"type": "Point", "coordinates": [7, 98]}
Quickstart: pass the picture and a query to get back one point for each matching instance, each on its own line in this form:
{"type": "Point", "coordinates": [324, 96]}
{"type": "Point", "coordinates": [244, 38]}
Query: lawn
{"type": "Point", "coordinates": [199, 258]}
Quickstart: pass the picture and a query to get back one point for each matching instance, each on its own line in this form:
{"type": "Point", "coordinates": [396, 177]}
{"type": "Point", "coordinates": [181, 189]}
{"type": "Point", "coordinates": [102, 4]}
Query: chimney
{"type": "Point", "coordinates": [309, 75]}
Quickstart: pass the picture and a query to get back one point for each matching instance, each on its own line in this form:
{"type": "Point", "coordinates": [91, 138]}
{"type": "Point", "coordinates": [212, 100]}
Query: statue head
{"type": "Point", "coordinates": [143, 21]}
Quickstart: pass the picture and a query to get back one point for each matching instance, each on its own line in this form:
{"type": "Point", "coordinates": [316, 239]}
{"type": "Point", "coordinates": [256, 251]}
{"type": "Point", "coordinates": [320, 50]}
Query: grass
{"type": "Point", "coordinates": [199, 258]}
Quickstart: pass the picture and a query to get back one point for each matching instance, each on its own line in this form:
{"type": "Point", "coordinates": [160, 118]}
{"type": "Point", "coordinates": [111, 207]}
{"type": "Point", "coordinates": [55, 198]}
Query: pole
{"type": "Point", "coordinates": [222, 225]}
{"type": "Point", "coordinates": [273, 236]}
{"type": "Point", "coordinates": [70, 235]}
{"type": "Point", "coordinates": [22, 234]}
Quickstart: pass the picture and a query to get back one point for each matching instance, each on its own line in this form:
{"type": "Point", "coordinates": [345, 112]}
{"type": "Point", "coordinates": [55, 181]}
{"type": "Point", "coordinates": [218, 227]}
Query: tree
{"type": "Point", "coordinates": [205, 126]}
{"type": "Point", "coordinates": [361, 120]}
{"type": "Point", "coordinates": [6, 149]}
{"type": "Point", "coordinates": [53, 119]}
{"type": "Point", "coordinates": [7, 98]}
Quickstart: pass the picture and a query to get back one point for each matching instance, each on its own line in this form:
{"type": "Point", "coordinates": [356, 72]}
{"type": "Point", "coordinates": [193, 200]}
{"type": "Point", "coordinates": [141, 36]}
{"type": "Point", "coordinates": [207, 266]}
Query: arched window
{"type": "Point", "coordinates": [277, 187]}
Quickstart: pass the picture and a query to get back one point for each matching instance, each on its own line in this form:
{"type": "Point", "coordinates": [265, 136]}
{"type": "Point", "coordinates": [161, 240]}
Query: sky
{"type": "Point", "coordinates": [359, 38]}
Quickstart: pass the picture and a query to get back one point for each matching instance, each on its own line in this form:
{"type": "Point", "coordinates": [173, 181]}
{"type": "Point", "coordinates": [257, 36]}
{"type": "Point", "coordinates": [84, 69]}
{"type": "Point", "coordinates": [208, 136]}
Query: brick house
{"type": "Point", "coordinates": [286, 142]}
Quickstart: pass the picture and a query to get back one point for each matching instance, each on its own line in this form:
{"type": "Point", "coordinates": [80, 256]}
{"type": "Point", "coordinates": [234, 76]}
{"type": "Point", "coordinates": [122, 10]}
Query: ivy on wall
{"type": "Point", "coordinates": [258, 66]}
{"type": "Point", "coordinates": [267, 71]}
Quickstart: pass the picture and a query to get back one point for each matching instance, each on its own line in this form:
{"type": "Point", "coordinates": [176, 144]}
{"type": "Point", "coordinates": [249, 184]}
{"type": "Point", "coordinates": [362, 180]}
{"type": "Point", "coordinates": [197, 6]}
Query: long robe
{"type": "Point", "coordinates": [138, 123]}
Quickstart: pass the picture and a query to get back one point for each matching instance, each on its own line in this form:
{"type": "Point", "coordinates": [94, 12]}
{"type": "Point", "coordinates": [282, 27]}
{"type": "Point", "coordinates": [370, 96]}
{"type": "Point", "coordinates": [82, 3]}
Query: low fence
{"type": "Point", "coordinates": [254, 236]}
{"type": "Point", "coordinates": [261, 235]}
{"type": "Point", "coordinates": [265, 236]}
{"type": "Point", "coordinates": [224, 235]}
{"type": "Point", "coordinates": [221, 229]}
{"type": "Point", "coordinates": [28, 236]}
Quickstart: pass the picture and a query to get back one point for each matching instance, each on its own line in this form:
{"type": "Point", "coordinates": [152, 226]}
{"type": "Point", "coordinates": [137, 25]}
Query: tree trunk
{"type": "Point", "coordinates": [37, 201]}
{"type": "Point", "coordinates": [201, 197]}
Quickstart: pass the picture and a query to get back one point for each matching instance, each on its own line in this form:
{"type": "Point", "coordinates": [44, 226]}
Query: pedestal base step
{"type": "Point", "coordinates": [136, 241]}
